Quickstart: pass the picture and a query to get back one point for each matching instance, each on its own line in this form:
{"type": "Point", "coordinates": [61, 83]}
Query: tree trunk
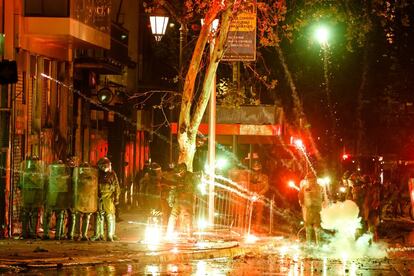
{"type": "Point", "coordinates": [189, 123]}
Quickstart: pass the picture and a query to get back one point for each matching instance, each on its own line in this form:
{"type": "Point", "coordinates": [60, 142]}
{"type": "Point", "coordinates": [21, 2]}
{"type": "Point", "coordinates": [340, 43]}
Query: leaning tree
{"type": "Point", "coordinates": [270, 14]}
{"type": "Point", "coordinates": [277, 20]}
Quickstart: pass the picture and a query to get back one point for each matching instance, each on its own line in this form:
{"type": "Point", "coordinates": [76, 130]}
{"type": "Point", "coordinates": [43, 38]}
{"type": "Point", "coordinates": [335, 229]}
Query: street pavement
{"type": "Point", "coordinates": [31, 255]}
{"type": "Point", "coordinates": [22, 255]}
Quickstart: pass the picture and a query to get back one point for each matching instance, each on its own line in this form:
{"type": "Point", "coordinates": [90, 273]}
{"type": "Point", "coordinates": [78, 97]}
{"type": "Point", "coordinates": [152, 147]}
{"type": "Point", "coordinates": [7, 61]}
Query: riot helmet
{"type": "Point", "coordinates": [180, 169]}
{"type": "Point", "coordinates": [256, 166]}
{"type": "Point", "coordinates": [155, 166]}
{"type": "Point", "coordinates": [346, 175]}
{"type": "Point", "coordinates": [155, 169]}
{"type": "Point", "coordinates": [71, 162]}
{"type": "Point", "coordinates": [31, 162]}
{"type": "Point", "coordinates": [104, 164]}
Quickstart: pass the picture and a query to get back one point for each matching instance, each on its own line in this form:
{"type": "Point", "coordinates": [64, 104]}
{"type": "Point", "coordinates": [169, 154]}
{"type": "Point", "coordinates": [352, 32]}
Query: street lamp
{"type": "Point", "coordinates": [159, 21]}
{"type": "Point", "coordinates": [322, 35]}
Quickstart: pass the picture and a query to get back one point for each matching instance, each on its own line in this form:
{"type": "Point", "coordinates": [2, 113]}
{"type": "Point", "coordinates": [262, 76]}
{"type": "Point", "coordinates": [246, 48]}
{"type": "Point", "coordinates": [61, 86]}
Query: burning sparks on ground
{"type": "Point", "coordinates": [292, 185]}
{"type": "Point", "coordinates": [202, 224]}
{"type": "Point", "coordinates": [171, 237]}
{"type": "Point", "coordinates": [250, 238]}
{"type": "Point", "coordinates": [152, 234]}
{"type": "Point", "coordinates": [152, 270]}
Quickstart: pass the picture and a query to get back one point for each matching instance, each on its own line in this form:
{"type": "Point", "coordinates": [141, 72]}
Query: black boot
{"type": "Point", "coordinates": [74, 226]}
{"type": "Point", "coordinates": [46, 223]}
{"type": "Point", "coordinates": [111, 227]}
{"type": "Point", "coordinates": [85, 227]}
{"type": "Point", "coordinates": [60, 220]}
{"type": "Point", "coordinates": [25, 224]}
{"type": "Point", "coordinates": [33, 220]}
{"type": "Point", "coordinates": [99, 227]}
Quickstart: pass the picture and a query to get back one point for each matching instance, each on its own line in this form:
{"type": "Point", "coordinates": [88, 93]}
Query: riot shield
{"type": "Point", "coordinates": [58, 194]}
{"type": "Point", "coordinates": [85, 189]}
{"type": "Point", "coordinates": [32, 182]}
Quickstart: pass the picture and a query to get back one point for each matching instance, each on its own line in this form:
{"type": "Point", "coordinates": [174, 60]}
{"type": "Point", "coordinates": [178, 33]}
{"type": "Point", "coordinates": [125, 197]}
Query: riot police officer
{"type": "Point", "coordinates": [359, 194]}
{"type": "Point", "coordinates": [259, 185]}
{"type": "Point", "coordinates": [31, 182]}
{"type": "Point", "coordinates": [58, 198]}
{"type": "Point", "coordinates": [311, 199]}
{"type": "Point", "coordinates": [372, 203]}
{"type": "Point", "coordinates": [359, 190]}
{"type": "Point", "coordinates": [85, 199]}
{"type": "Point", "coordinates": [71, 165]}
{"type": "Point", "coordinates": [182, 206]}
{"type": "Point", "coordinates": [167, 193]}
{"type": "Point", "coordinates": [151, 184]}
{"type": "Point", "coordinates": [109, 192]}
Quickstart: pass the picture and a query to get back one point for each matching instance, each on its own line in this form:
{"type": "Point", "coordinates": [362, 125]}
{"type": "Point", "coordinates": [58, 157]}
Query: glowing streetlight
{"type": "Point", "coordinates": [159, 21]}
{"type": "Point", "coordinates": [322, 35]}
{"type": "Point", "coordinates": [202, 224]}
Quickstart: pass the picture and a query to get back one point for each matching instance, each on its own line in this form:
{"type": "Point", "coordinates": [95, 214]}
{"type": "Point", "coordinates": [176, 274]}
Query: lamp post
{"type": "Point", "coordinates": [212, 133]}
{"type": "Point", "coordinates": [322, 35]}
{"type": "Point", "coordinates": [159, 21]}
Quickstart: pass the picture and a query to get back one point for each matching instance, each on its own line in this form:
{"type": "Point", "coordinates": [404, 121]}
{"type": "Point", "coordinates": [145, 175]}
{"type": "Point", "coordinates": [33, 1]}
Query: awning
{"type": "Point", "coordinates": [246, 134]}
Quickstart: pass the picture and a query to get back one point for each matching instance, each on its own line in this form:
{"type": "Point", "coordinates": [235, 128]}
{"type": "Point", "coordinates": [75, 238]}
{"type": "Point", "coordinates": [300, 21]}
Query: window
{"type": "Point", "coordinates": [47, 8]}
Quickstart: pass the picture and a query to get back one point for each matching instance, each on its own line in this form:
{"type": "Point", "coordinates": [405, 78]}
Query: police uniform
{"type": "Point", "coordinates": [108, 193]}
{"type": "Point", "coordinates": [58, 198]}
{"type": "Point", "coordinates": [32, 184]}
{"type": "Point", "coordinates": [259, 184]}
{"type": "Point", "coordinates": [85, 199]}
{"type": "Point", "coordinates": [182, 207]}
{"type": "Point", "coordinates": [311, 198]}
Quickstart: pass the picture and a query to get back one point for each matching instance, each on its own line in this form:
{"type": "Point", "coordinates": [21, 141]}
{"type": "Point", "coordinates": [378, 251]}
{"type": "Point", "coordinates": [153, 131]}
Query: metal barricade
{"type": "Point", "coordinates": [234, 207]}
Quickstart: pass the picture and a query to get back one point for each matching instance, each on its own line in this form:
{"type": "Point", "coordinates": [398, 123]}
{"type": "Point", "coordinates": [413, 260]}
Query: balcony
{"type": "Point", "coordinates": [66, 24]}
{"type": "Point", "coordinates": [110, 61]}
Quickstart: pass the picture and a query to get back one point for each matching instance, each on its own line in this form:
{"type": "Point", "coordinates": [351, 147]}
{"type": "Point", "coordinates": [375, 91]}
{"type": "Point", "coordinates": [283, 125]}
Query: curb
{"type": "Point", "coordinates": [165, 256]}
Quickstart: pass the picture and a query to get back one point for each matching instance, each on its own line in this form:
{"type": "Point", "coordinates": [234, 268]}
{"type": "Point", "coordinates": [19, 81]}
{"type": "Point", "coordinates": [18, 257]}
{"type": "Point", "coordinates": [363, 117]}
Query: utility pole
{"type": "Point", "coordinates": [212, 144]}
{"type": "Point", "coordinates": [183, 42]}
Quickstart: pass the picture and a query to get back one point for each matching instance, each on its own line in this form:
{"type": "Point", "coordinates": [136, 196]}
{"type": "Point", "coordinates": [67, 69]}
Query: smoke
{"type": "Point", "coordinates": [342, 218]}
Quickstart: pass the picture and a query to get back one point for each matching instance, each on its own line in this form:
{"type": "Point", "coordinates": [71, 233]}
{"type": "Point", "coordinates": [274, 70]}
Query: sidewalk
{"type": "Point", "coordinates": [23, 255]}
{"type": "Point", "coordinates": [18, 255]}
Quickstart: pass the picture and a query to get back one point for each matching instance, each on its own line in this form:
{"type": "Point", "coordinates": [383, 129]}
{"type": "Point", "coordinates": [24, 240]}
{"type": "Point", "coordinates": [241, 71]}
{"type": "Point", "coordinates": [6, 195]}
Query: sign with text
{"type": "Point", "coordinates": [241, 40]}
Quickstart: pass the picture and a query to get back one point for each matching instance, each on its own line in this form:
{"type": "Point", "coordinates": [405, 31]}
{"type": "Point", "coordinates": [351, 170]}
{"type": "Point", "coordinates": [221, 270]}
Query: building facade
{"type": "Point", "coordinates": [67, 53]}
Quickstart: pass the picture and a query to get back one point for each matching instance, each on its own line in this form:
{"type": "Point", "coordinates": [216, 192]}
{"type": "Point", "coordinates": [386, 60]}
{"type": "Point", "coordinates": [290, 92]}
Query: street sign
{"type": "Point", "coordinates": [241, 40]}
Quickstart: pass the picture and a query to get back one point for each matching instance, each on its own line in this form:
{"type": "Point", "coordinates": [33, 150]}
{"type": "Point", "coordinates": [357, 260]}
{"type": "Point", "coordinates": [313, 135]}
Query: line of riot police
{"type": "Point", "coordinates": [168, 197]}
{"type": "Point", "coordinates": [72, 194]}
